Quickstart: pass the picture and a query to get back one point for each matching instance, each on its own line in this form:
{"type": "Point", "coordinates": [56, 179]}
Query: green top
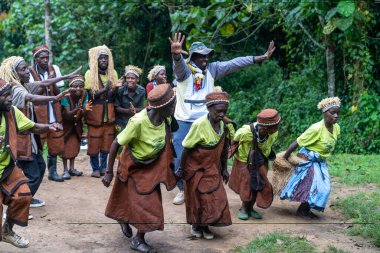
{"type": "Point", "coordinates": [66, 103]}
{"type": "Point", "coordinates": [317, 138]}
{"type": "Point", "coordinates": [23, 124]}
{"type": "Point", "coordinates": [244, 137]}
{"type": "Point", "coordinates": [144, 138]}
{"type": "Point", "coordinates": [87, 86]}
{"type": "Point", "coordinates": [202, 133]}
{"type": "Point", "coordinates": [87, 83]}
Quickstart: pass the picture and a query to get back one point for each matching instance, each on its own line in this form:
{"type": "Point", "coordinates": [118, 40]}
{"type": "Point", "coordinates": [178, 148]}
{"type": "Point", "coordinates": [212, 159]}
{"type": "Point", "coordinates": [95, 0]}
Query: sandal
{"type": "Point", "coordinates": [141, 246]}
{"type": "Point", "coordinates": [75, 172]}
{"type": "Point", "coordinates": [126, 229]}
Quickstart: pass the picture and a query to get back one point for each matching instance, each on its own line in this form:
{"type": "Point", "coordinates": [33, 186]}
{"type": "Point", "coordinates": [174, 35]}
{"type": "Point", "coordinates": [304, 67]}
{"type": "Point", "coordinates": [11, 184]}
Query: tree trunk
{"type": "Point", "coordinates": [48, 29]}
{"type": "Point", "coordinates": [330, 56]}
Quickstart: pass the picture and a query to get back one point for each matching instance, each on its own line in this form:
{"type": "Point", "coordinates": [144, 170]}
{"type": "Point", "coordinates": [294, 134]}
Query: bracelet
{"type": "Point", "coordinates": [109, 172]}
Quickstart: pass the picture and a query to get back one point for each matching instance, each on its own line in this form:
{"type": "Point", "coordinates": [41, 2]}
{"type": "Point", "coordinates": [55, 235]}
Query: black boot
{"type": "Point", "coordinates": [52, 167]}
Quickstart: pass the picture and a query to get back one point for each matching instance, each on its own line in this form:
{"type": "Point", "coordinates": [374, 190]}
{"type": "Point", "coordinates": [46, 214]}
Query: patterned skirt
{"type": "Point", "coordinates": [309, 182]}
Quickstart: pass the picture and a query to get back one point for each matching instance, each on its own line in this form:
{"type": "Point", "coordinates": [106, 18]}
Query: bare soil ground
{"type": "Point", "coordinates": [73, 221]}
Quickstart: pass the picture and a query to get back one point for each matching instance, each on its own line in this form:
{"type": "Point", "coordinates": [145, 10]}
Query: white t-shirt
{"type": "Point", "coordinates": [45, 76]}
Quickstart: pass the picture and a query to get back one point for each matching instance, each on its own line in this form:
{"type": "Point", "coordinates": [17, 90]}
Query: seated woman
{"type": "Point", "coordinates": [156, 76]}
{"type": "Point", "coordinates": [74, 109]}
{"type": "Point", "coordinates": [145, 162]}
{"type": "Point", "coordinates": [250, 165]}
{"type": "Point", "coordinates": [310, 181]}
{"type": "Point", "coordinates": [130, 96]}
{"type": "Point", "coordinates": [204, 164]}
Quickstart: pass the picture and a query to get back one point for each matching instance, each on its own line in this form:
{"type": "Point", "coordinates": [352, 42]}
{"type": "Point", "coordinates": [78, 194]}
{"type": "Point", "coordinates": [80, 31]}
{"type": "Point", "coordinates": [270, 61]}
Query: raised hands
{"type": "Point", "coordinates": [73, 74]}
{"type": "Point", "coordinates": [176, 44]}
{"type": "Point", "coordinates": [270, 50]}
{"type": "Point", "coordinates": [88, 106]}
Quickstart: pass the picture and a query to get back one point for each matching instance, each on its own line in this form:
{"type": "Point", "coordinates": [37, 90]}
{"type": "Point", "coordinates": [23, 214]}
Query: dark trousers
{"type": "Point", "coordinates": [34, 171]}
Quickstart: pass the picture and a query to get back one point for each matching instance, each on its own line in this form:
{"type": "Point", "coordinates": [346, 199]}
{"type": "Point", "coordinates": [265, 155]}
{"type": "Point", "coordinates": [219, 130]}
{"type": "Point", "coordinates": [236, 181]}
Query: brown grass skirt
{"type": "Point", "coordinates": [144, 212]}
{"type": "Point", "coordinates": [239, 183]}
{"type": "Point", "coordinates": [206, 208]}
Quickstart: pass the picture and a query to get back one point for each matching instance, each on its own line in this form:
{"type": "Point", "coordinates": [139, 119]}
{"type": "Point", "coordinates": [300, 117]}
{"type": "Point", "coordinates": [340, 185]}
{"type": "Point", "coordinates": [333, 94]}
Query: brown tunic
{"type": "Point", "coordinates": [73, 129]}
{"type": "Point", "coordinates": [239, 183]}
{"type": "Point", "coordinates": [101, 129]}
{"type": "Point", "coordinates": [205, 196]}
{"type": "Point", "coordinates": [136, 194]}
{"type": "Point", "coordinates": [54, 139]}
{"type": "Point", "coordinates": [14, 191]}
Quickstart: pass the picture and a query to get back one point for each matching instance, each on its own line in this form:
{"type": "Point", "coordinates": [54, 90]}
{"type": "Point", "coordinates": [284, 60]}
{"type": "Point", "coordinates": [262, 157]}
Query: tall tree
{"type": "Point", "coordinates": [48, 41]}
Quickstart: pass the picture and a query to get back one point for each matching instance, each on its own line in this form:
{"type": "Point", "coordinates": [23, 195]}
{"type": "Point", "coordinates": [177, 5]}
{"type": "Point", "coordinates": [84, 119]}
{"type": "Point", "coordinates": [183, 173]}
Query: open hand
{"type": "Point", "coordinates": [55, 127]}
{"type": "Point", "coordinates": [176, 44]}
{"type": "Point", "coordinates": [73, 74]}
{"type": "Point", "coordinates": [88, 106]}
{"type": "Point", "coordinates": [270, 50]}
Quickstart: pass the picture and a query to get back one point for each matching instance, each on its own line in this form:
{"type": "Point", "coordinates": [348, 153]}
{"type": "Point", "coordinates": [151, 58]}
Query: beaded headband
{"type": "Point", "coordinates": [132, 72]}
{"type": "Point", "coordinates": [40, 50]}
{"type": "Point", "coordinates": [5, 87]}
{"type": "Point", "coordinates": [164, 104]}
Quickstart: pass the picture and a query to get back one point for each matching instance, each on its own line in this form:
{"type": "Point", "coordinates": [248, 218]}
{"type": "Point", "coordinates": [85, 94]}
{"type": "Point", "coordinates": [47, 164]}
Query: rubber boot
{"type": "Point", "coordinates": [52, 167]}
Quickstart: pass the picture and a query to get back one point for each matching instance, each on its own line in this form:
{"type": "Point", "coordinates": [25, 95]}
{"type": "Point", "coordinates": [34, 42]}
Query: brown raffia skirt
{"type": "Point", "coordinates": [16, 194]}
{"type": "Point", "coordinates": [72, 146]}
{"type": "Point", "coordinates": [144, 212]}
{"type": "Point", "coordinates": [206, 208]}
{"type": "Point", "coordinates": [100, 139]}
{"type": "Point", "coordinates": [239, 183]}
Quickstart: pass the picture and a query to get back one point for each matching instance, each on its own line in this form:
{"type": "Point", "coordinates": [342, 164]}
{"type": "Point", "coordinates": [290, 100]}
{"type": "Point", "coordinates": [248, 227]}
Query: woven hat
{"type": "Point", "coordinates": [216, 97]}
{"type": "Point", "coordinates": [4, 86]}
{"type": "Point", "coordinates": [40, 49]}
{"type": "Point", "coordinates": [161, 96]}
{"type": "Point", "coordinates": [326, 104]}
{"type": "Point", "coordinates": [268, 117]}
{"type": "Point", "coordinates": [200, 48]}
{"type": "Point", "coordinates": [76, 79]}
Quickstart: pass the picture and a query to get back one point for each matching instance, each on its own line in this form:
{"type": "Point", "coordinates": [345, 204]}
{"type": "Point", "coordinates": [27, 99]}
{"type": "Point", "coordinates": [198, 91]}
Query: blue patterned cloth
{"type": "Point", "coordinates": [310, 181]}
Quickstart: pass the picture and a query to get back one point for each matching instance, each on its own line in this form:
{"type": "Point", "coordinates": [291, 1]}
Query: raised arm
{"type": "Point", "coordinates": [180, 68]}
{"type": "Point", "coordinates": [48, 82]}
{"type": "Point", "coordinates": [42, 99]}
{"type": "Point", "coordinates": [220, 69]}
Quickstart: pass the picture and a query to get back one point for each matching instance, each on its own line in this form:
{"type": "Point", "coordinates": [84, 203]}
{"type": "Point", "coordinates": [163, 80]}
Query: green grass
{"type": "Point", "coordinates": [277, 242]}
{"type": "Point", "coordinates": [355, 169]}
{"type": "Point", "coordinates": [363, 208]}
{"type": "Point", "coordinates": [281, 243]}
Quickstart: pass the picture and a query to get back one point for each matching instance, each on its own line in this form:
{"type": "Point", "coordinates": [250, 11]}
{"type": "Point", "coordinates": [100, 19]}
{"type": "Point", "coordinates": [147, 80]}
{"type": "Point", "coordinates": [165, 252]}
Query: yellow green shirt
{"type": "Point", "coordinates": [144, 138]}
{"type": "Point", "coordinates": [244, 137]}
{"type": "Point", "coordinates": [23, 124]}
{"type": "Point", "coordinates": [202, 133]}
{"type": "Point", "coordinates": [317, 138]}
{"type": "Point", "coordinates": [87, 76]}
{"type": "Point", "coordinates": [87, 86]}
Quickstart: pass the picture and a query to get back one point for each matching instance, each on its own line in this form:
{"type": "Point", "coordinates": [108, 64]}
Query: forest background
{"type": "Point", "coordinates": [323, 48]}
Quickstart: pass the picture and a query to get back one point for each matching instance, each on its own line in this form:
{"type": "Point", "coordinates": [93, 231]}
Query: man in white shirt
{"type": "Point", "coordinates": [48, 112]}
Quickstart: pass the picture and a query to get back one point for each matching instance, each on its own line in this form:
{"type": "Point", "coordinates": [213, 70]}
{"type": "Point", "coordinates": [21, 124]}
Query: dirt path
{"type": "Point", "coordinates": [73, 221]}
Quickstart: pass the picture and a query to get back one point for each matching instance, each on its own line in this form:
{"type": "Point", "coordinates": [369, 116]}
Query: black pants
{"type": "Point", "coordinates": [34, 171]}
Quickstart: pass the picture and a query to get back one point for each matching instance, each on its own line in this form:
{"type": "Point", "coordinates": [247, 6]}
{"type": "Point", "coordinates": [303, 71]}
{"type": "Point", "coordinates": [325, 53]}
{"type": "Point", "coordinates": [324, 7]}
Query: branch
{"type": "Point", "coordinates": [310, 37]}
{"type": "Point", "coordinates": [252, 33]}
